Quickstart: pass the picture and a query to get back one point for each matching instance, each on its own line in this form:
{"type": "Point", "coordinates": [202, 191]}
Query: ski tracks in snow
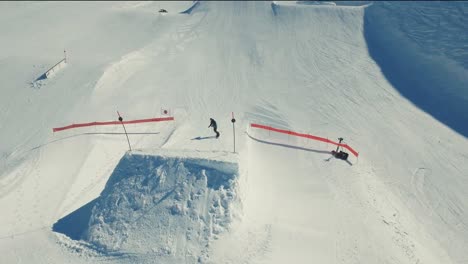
{"type": "Point", "coordinates": [27, 215]}
{"type": "Point", "coordinates": [248, 242]}
{"type": "Point", "coordinates": [364, 199]}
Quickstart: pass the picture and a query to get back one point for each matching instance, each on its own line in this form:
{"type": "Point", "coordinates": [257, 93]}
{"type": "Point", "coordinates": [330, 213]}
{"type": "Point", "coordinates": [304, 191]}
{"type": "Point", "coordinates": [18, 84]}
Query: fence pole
{"type": "Point", "coordinates": [121, 121]}
{"type": "Point", "coordinates": [233, 120]}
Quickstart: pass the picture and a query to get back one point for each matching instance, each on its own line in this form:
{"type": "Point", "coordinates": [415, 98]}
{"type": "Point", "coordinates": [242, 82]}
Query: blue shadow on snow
{"type": "Point", "coordinates": [202, 138]}
{"type": "Point", "coordinates": [296, 147]}
{"type": "Point", "coordinates": [190, 9]}
{"type": "Point", "coordinates": [42, 77]}
{"type": "Point", "coordinates": [420, 78]}
{"type": "Point", "coordinates": [75, 224]}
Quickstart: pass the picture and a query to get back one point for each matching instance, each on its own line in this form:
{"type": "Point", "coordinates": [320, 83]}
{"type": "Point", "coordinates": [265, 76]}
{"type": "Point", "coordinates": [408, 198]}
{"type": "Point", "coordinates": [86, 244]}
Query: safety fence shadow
{"type": "Point", "coordinates": [289, 146]}
{"type": "Point", "coordinates": [92, 133]}
{"type": "Point", "coordinates": [326, 152]}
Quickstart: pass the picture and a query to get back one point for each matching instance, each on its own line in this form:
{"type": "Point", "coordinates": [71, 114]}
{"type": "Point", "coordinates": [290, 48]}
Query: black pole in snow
{"type": "Point", "coordinates": [121, 121]}
{"type": "Point", "coordinates": [233, 120]}
{"type": "Point", "coordinates": [340, 139]}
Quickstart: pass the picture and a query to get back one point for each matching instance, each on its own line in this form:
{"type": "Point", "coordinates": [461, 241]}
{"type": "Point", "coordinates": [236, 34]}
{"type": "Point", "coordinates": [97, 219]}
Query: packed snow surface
{"type": "Point", "coordinates": [388, 77]}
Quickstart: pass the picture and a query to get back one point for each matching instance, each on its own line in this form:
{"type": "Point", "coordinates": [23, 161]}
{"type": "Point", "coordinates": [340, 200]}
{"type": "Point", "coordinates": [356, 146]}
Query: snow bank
{"type": "Point", "coordinates": [421, 49]}
{"type": "Point", "coordinates": [170, 206]}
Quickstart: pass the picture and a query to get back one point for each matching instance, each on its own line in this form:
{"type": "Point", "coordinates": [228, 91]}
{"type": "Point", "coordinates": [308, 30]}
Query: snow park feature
{"type": "Point", "coordinates": [388, 77]}
{"type": "Point", "coordinates": [161, 203]}
{"type": "Point", "coordinates": [51, 71]}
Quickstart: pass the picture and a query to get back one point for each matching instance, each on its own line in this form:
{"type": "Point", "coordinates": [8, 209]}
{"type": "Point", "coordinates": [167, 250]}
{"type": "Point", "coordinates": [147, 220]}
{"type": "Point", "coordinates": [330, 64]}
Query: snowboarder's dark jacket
{"type": "Point", "coordinates": [213, 124]}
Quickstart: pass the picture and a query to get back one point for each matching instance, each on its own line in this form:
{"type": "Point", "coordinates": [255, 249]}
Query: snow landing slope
{"type": "Point", "coordinates": [307, 68]}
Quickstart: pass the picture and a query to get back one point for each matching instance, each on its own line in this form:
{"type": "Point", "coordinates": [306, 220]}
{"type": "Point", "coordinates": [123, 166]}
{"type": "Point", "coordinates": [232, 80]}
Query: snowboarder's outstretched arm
{"type": "Point", "coordinates": [212, 123]}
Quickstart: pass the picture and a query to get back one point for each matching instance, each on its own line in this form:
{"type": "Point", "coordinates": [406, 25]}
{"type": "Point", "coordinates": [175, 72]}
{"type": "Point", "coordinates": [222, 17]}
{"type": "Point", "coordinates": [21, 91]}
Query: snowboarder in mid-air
{"type": "Point", "coordinates": [215, 127]}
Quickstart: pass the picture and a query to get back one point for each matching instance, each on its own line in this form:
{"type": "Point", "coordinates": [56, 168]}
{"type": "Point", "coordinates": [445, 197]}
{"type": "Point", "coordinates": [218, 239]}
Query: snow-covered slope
{"type": "Point", "coordinates": [79, 195]}
{"type": "Point", "coordinates": [423, 53]}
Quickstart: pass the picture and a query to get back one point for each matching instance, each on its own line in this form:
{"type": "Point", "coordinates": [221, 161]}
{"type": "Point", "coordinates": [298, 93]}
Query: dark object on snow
{"type": "Point", "coordinates": [215, 126]}
{"type": "Point", "coordinates": [340, 155]}
{"type": "Point", "coordinates": [162, 10]}
{"type": "Point", "coordinates": [233, 120]}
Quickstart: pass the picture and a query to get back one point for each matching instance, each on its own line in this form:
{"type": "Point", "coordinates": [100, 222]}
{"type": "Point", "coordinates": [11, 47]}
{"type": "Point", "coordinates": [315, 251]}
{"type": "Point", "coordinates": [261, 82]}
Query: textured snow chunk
{"type": "Point", "coordinates": [158, 203]}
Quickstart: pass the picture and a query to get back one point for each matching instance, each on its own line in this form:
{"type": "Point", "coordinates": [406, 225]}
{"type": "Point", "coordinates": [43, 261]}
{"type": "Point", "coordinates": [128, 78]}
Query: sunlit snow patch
{"type": "Point", "coordinates": [316, 3]}
{"type": "Point", "coordinates": [166, 205]}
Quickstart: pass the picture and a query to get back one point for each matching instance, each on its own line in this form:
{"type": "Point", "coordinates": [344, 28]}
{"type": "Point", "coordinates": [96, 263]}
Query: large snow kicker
{"type": "Point", "coordinates": [168, 205]}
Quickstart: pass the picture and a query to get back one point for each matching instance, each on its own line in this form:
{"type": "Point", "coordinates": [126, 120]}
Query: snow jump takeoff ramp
{"type": "Point", "coordinates": [169, 203]}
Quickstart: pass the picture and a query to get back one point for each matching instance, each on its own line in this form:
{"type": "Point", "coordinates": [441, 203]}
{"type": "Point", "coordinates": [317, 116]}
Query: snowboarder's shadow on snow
{"type": "Point", "coordinates": [296, 147]}
{"type": "Point", "coordinates": [202, 138]}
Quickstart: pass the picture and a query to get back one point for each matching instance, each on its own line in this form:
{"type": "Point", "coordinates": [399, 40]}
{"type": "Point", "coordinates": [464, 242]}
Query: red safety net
{"type": "Point", "coordinates": [355, 153]}
{"type": "Point", "coordinates": [158, 119]}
